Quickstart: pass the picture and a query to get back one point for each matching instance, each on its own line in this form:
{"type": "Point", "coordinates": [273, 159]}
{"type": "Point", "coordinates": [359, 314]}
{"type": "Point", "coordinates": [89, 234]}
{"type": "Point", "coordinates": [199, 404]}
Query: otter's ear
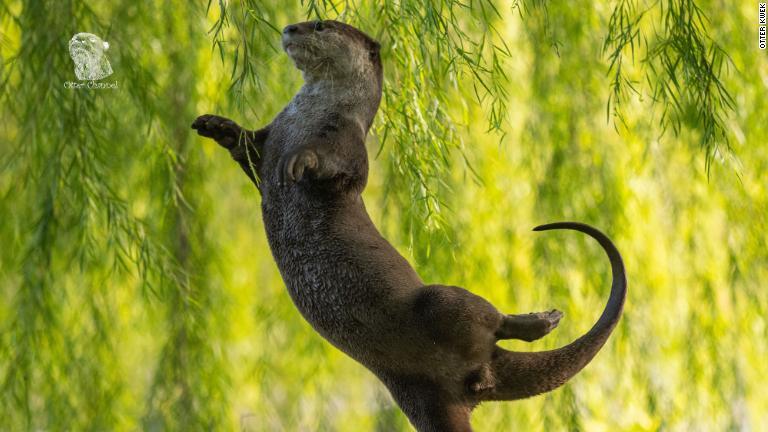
{"type": "Point", "coordinates": [373, 49]}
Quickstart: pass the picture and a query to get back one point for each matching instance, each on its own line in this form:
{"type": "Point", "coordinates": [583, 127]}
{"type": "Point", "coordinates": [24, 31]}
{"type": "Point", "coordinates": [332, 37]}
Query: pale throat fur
{"type": "Point", "coordinates": [339, 76]}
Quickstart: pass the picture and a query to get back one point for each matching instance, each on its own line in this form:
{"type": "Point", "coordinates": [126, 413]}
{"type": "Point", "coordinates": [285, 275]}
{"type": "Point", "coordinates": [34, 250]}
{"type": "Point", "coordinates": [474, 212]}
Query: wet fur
{"type": "Point", "coordinates": [433, 346]}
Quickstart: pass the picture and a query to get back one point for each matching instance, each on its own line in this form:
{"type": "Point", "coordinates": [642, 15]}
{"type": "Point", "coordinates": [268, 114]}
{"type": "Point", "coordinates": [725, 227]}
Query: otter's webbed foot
{"type": "Point", "coordinates": [245, 146]}
{"type": "Point", "coordinates": [223, 130]}
{"type": "Point", "coordinates": [529, 327]}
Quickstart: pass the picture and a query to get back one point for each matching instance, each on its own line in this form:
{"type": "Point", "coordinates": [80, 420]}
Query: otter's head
{"type": "Point", "coordinates": [331, 49]}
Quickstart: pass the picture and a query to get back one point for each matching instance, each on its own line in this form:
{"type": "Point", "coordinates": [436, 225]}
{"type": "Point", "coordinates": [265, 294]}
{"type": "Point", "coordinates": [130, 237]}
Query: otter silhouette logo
{"type": "Point", "coordinates": [87, 51]}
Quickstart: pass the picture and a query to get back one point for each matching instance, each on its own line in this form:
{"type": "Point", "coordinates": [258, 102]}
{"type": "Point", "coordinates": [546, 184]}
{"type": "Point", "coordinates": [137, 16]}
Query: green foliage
{"type": "Point", "coordinates": [683, 68]}
{"type": "Point", "coordinates": [139, 291]}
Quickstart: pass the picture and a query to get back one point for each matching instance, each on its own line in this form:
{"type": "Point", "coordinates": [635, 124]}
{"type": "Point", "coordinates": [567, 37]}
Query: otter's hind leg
{"type": "Point", "coordinates": [459, 319]}
{"type": "Point", "coordinates": [428, 407]}
{"type": "Point", "coordinates": [529, 327]}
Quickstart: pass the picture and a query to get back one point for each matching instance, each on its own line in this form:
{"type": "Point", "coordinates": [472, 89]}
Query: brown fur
{"type": "Point", "coordinates": [433, 346]}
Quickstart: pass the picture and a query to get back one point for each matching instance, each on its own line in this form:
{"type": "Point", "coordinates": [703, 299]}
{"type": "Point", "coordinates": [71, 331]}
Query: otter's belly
{"type": "Point", "coordinates": [340, 298]}
{"type": "Point", "coordinates": [347, 281]}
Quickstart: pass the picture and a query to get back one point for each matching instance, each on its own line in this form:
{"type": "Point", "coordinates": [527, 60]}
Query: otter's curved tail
{"type": "Point", "coordinates": [520, 375]}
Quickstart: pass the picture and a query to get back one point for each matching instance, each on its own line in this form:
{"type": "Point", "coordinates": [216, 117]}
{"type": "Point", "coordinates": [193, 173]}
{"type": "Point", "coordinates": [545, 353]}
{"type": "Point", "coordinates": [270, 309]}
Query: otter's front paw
{"type": "Point", "coordinates": [223, 130]}
{"type": "Point", "coordinates": [293, 166]}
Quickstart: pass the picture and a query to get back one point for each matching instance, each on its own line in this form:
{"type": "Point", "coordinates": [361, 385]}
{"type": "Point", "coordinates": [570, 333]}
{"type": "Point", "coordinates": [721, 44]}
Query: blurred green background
{"type": "Point", "coordinates": [138, 291]}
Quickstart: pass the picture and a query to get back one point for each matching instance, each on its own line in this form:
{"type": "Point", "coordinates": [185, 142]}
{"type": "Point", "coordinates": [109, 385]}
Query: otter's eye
{"type": "Point", "coordinates": [319, 26]}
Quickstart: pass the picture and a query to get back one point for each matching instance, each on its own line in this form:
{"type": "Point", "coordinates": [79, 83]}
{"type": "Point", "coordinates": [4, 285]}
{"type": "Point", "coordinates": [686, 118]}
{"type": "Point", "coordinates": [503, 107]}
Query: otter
{"type": "Point", "coordinates": [433, 346]}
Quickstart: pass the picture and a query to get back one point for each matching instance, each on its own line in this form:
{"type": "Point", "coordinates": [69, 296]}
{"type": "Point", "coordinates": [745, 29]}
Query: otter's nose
{"type": "Point", "coordinates": [290, 29]}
